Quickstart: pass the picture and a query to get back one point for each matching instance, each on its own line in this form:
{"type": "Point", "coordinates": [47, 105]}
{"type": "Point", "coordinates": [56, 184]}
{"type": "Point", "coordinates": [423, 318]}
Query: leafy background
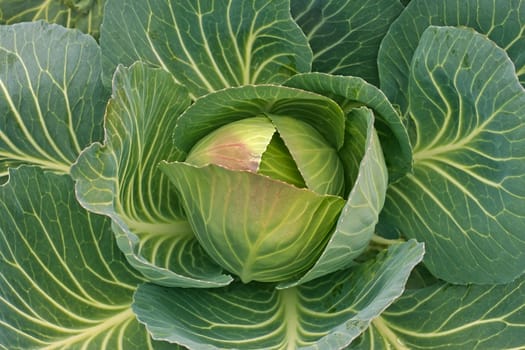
{"type": "Point", "coordinates": [433, 312]}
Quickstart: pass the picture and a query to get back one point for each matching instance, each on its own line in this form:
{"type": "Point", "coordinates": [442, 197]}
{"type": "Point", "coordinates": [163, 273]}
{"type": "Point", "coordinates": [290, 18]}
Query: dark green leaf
{"type": "Point", "coordinates": [207, 45]}
{"type": "Point", "coordinates": [51, 95]}
{"type": "Point", "coordinates": [345, 35]}
{"type": "Point", "coordinates": [85, 15]}
{"type": "Point", "coordinates": [64, 284]}
{"type": "Point", "coordinates": [452, 318]}
{"type": "Point", "coordinates": [465, 197]}
{"type": "Point", "coordinates": [502, 21]}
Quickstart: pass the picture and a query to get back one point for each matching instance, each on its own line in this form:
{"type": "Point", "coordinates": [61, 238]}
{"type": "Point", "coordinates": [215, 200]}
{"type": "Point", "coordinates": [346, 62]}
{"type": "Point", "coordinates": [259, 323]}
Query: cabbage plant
{"type": "Point", "coordinates": [288, 174]}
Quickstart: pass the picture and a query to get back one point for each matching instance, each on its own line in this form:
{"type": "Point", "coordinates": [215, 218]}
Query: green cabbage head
{"type": "Point", "coordinates": [264, 184]}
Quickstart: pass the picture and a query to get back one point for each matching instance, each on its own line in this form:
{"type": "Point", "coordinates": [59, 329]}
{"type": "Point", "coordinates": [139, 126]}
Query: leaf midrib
{"type": "Point", "coordinates": [87, 333]}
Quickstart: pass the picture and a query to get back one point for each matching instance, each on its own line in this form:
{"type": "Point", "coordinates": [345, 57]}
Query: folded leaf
{"type": "Point", "coordinates": [356, 223]}
{"type": "Point", "coordinates": [120, 179]}
{"type": "Point", "coordinates": [352, 92]}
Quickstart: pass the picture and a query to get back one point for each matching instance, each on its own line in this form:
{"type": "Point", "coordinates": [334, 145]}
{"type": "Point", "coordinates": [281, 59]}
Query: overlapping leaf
{"type": "Point", "coordinates": [253, 226]}
{"type": "Point", "coordinates": [356, 223]}
{"type": "Point", "coordinates": [452, 317]}
{"type": "Point", "coordinates": [80, 14]}
{"type": "Point", "coordinates": [51, 95]}
{"type": "Point", "coordinates": [63, 282]}
{"type": "Point", "coordinates": [345, 35]}
{"type": "Point", "coordinates": [351, 92]}
{"type": "Point", "coordinates": [206, 44]}
{"type": "Point", "coordinates": [502, 21]}
{"type": "Point", "coordinates": [465, 196]}
{"type": "Point", "coordinates": [327, 313]}
{"type": "Point", "coordinates": [229, 105]}
{"type": "Point", "coordinates": [120, 179]}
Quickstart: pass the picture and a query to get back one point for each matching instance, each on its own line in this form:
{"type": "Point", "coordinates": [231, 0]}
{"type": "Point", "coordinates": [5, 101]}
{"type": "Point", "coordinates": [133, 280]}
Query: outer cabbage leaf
{"type": "Point", "coordinates": [207, 45]}
{"type": "Point", "coordinates": [120, 179]}
{"type": "Point", "coordinates": [351, 92]}
{"type": "Point", "coordinates": [85, 15]}
{"type": "Point", "coordinates": [452, 317]}
{"type": "Point", "coordinates": [327, 313]}
{"type": "Point", "coordinates": [357, 221]}
{"type": "Point", "coordinates": [502, 21]}
{"type": "Point", "coordinates": [465, 196]}
{"type": "Point", "coordinates": [63, 282]}
{"type": "Point", "coordinates": [51, 95]}
{"type": "Point", "coordinates": [345, 35]}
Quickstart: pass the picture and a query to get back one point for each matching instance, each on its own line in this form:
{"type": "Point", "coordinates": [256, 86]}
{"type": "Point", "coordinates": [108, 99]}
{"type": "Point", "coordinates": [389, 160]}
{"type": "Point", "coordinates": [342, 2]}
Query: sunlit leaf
{"type": "Point", "coordinates": [207, 45]}
{"type": "Point", "coordinates": [120, 179]}
{"type": "Point", "coordinates": [465, 197]}
{"type": "Point", "coordinates": [327, 313]}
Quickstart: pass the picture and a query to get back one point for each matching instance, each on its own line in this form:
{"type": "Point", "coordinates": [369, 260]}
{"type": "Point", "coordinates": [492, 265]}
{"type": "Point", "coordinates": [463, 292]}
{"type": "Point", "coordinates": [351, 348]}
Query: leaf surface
{"type": "Point", "coordinates": [207, 45]}
{"type": "Point", "coordinates": [64, 284]}
{"type": "Point", "coordinates": [452, 317]}
{"type": "Point", "coordinates": [51, 95]}
{"type": "Point", "coordinates": [356, 223]}
{"type": "Point", "coordinates": [465, 196]}
{"type": "Point", "coordinates": [502, 21]}
{"type": "Point", "coordinates": [229, 105]}
{"type": "Point", "coordinates": [345, 35]}
{"type": "Point", "coordinates": [352, 92]}
{"type": "Point", "coordinates": [120, 179]}
{"type": "Point", "coordinates": [327, 313]}
{"type": "Point", "coordinates": [85, 15]}
{"type": "Point", "coordinates": [255, 227]}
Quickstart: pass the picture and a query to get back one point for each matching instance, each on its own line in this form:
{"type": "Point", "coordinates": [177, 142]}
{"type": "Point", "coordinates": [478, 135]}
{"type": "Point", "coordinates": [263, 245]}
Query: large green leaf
{"type": "Point", "coordinates": [452, 318]}
{"type": "Point", "coordinates": [502, 21]}
{"type": "Point", "coordinates": [465, 197]}
{"type": "Point", "coordinates": [351, 92]}
{"type": "Point", "coordinates": [85, 15]}
{"type": "Point", "coordinates": [327, 313]}
{"type": "Point", "coordinates": [255, 227]}
{"type": "Point", "coordinates": [120, 179]}
{"type": "Point", "coordinates": [207, 45]}
{"type": "Point", "coordinates": [51, 95]}
{"type": "Point", "coordinates": [64, 284]}
{"type": "Point", "coordinates": [357, 221]}
{"type": "Point", "coordinates": [345, 35]}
